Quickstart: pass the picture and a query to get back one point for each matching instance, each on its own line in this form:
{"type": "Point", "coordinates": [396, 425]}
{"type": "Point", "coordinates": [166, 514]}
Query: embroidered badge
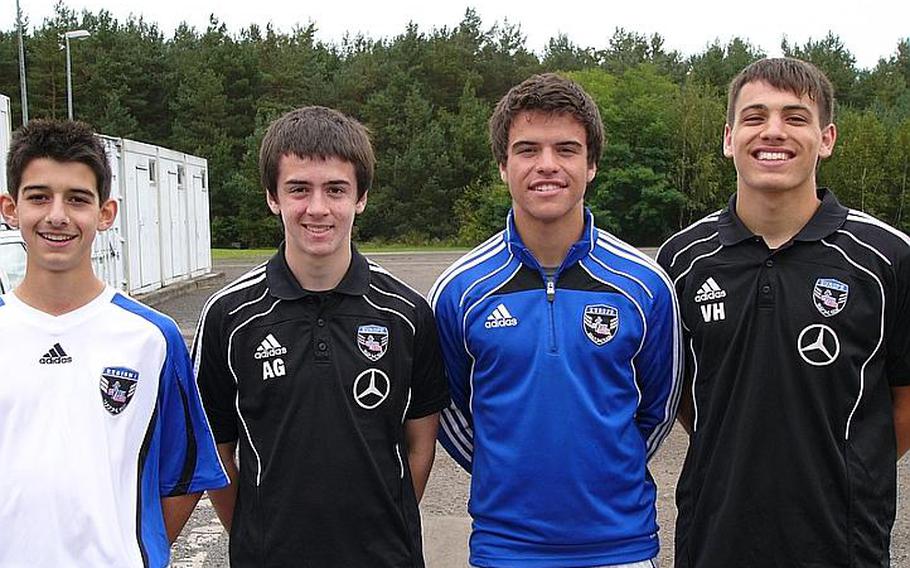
{"type": "Point", "coordinates": [118, 385]}
{"type": "Point", "coordinates": [600, 322]}
{"type": "Point", "coordinates": [830, 296]}
{"type": "Point", "coordinates": [373, 341]}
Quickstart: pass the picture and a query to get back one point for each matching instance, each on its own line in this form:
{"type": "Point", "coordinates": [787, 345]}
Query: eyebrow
{"type": "Point", "coordinates": [759, 106]}
{"type": "Point", "coordinates": [307, 182]}
{"type": "Point", "coordinates": [533, 143]}
{"type": "Point", "coordinates": [43, 187]}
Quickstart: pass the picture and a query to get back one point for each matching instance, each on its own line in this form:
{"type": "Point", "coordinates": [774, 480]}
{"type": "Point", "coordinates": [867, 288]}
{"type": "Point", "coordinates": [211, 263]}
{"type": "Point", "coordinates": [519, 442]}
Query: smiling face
{"type": "Point", "coordinates": [317, 201]}
{"type": "Point", "coordinates": [776, 140]}
{"type": "Point", "coordinates": [547, 172]}
{"type": "Point", "coordinates": [58, 212]}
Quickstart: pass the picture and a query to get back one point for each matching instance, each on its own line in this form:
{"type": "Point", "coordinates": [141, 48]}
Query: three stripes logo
{"type": "Point", "coordinates": [269, 348]}
{"type": "Point", "coordinates": [500, 317]}
{"type": "Point", "coordinates": [710, 291]}
{"type": "Point", "coordinates": [55, 356]}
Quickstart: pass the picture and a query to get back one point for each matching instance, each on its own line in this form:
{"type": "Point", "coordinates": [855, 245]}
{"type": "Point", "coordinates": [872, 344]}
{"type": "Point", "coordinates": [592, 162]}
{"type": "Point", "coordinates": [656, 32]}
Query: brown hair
{"type": "Point", "coordinates": [550, 93]}
{"type": "Point", "coordinates": [62, 141]}
{"type": "Point", "coordinates": [316, 131]}
{"type": "Point", "coordinates": [787, 74]}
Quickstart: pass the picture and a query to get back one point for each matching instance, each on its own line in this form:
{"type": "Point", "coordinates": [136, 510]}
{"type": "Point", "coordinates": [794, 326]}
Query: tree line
{"type": "Point", "coordinates": [426, 97]}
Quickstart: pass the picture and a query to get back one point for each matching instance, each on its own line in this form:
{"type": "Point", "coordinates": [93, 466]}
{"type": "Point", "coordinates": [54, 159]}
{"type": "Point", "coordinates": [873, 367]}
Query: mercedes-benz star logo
{"type": "Point", "coordinates": [818, 345]}
{"type": "Point", "coordinates": [371, 388]}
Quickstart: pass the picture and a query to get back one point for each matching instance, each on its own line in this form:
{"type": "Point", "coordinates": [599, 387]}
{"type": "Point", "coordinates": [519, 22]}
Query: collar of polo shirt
{"type": "Point", "coordinates": [829, 217]}
{"type": "Point", "coordinates": [283, 284]}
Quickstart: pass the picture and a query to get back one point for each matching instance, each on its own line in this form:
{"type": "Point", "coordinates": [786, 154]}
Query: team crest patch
{"type": "Point", "coordinates": [118, 385]}
{"type": "Point", "coordinates": [601, 322]}
{"type": "Point", "coordinates": [830, 296]}
{"type": "Point", "coordinates": [373, 341]}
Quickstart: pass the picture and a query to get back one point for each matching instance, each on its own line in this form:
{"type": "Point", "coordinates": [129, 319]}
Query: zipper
{"type": "Point", "coordinates": [551, 298]}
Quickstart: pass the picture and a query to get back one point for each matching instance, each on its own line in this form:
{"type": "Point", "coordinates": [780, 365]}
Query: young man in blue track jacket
{"type": "Point", "coordinates": [562, 350]}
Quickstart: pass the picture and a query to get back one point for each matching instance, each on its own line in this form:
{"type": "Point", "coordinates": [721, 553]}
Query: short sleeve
{"type": "Point", "coordinates": [429, 391]}
{"type": "Point", "coordinates": [898, 338]}
{"type": "Point", "coordinates": [188, 461]}
{"type": "Point", "coordinates": [216, 385]}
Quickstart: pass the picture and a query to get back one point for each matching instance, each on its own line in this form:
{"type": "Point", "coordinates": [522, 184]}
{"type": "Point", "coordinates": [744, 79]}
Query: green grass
{"type": "Point", "coordinates": [253, 254]}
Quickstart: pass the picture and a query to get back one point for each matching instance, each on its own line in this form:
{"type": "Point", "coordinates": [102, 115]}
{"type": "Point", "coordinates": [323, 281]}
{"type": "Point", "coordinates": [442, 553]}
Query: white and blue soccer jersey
{"type": "Point", "coordinates": [100, 419]}
{"type": "Point", "coordinates": [563, 386]}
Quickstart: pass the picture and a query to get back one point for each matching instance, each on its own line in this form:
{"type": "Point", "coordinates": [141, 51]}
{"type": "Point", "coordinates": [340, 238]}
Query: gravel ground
{"type": "Point", "coordinates": [204, 544]}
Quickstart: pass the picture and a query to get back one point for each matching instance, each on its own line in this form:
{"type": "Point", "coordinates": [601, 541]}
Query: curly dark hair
{"type": "Point", "coordinates": [62, 141]}
{"type": "Point", "coordinates": [550, 93]}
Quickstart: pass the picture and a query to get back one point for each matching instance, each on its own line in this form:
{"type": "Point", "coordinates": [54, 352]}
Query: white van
{"type": "Point", "coordinates": [12, 258]}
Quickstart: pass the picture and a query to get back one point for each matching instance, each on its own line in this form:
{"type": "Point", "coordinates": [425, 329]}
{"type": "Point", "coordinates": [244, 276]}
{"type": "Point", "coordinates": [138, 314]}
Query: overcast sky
{"type": "Point", "coordinates": [870, 29]}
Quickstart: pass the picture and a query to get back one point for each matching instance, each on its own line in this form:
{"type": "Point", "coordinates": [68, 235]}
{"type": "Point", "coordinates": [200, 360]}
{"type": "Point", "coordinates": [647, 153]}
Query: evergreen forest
{"type": "Point", "coordinates": [426, 96]}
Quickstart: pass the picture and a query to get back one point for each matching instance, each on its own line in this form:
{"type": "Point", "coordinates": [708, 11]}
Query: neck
{"type": "Point", "coordinates": [776, 216]}
{"type": "Point", "coordinates": [318, 274]}
{"type": "Point", "coordinates": [57, 294]}
{"type": "Point", "coordinates": [549, 242]}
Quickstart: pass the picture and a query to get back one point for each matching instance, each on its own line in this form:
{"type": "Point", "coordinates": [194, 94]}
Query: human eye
{"type": "Point", "coordinates": [798, 119]}
{"type": "Point", "coordinates": [79, 199]}
{"type": "Point", "coordinates": [35, 197]}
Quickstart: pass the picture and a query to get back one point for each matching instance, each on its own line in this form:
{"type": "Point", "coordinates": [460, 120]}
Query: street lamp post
{"type": "Point", "coordinates": [74, 34]}
{"type": "Point", "coordinates": [23, 90]}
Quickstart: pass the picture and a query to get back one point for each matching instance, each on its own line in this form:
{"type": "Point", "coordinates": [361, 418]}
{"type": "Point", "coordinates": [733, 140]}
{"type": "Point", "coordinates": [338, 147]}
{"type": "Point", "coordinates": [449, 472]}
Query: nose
{"type": "Point", "coordinates": [57, 215]}
{"type": "Point", "coordinates": [774, 128]}
{"type": "Point", "coordinates": [546, 161]}
{"type": "Point", "coordinates": [318, 203]}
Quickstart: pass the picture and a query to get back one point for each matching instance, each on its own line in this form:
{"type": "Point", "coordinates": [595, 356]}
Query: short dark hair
{"type": "Point", "coordinates": [61, 141]}
{"type": "Point", "coordinates": [787, 74]}
{"type": "Point", "coordinates": [317, 131]}
{"type": "Point", "coordinates": [549, 93]}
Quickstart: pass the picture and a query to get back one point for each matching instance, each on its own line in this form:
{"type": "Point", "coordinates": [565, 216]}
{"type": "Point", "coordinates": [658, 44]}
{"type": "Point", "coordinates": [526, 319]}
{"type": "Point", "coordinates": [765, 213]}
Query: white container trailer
{"type": "Point", "coordinates": [200, 234]}
{"type": "Point", "coordinates": [141, 215]}
{"type": "Point", "coordinates": [161, 234]}
{"type": "Point", "coordinates": [175, 254]}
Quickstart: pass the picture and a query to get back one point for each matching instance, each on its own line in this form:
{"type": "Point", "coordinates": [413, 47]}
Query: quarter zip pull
{"type": "Point", "coordinates": [551, 289]}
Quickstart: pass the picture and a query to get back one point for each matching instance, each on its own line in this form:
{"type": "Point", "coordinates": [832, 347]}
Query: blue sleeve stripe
{"type": "Point", "coordinates": [606, 247]}
{"type": "Point", "coordinates": [676, 376]}
{"type": "Point", "coordinates": [192, 467]}
{"type": "Point", "coordinates": [457, 441]}
{"type": "Point", "coordinates": [479, 255]}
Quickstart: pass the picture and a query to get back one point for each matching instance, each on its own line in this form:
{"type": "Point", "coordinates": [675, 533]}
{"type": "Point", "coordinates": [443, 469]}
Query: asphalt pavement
{"type": "Point", "coordinates": [203, 543]}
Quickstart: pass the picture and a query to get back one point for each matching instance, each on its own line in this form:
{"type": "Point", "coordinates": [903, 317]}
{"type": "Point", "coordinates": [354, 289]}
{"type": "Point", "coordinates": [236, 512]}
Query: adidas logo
{"type": "Point", "coordinates": [269, 348]}
{"type": "Point", "coordinates": [500, 318]}
{"type": "Point", "coordinates": [710, 291]}
{"type": "Point", "coordinates": [55, 356]}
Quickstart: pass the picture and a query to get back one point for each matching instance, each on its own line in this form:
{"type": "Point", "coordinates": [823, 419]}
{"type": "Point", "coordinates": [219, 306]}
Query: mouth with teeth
{"type": "Point", "coordinates": [318, 229]}
{"type": "Point", "coordinates": [546, 186]}
{"type": "Point", "coordinates": [775, 156]}
{"type": "Point", "coordinates": [55, 238]}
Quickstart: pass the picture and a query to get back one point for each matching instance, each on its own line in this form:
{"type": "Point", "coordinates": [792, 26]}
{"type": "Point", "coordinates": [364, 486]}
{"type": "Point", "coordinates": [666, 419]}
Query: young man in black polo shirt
{"type": "Point", "coordinates": [795, 311]}
{"type": "Point", "coordinates": [325, 368]}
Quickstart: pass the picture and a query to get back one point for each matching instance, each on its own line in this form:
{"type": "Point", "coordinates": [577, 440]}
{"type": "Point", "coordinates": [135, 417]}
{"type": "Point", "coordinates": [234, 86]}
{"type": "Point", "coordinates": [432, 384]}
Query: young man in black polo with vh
{"type": "Point", "coordinates": [323, 369]}
{"type": "Point", "coordinates": [795, 311]}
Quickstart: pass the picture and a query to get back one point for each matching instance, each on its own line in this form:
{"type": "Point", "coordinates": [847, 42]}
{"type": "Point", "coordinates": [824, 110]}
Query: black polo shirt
{"type": "Point", "coordinates": [316, 388]}
{"type": "Point", "coordinates": [791, 354]}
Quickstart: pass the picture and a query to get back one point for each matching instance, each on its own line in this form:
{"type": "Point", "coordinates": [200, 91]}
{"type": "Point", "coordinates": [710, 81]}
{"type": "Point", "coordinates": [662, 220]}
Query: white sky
{"type": "Point", "coordinates": [870, 29]}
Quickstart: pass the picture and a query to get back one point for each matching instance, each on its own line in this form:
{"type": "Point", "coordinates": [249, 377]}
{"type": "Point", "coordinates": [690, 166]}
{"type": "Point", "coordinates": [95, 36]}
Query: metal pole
{"type": "Point", "coordinates": [23, 91]}
{"type": "Point", "coordinates": [69, 79]}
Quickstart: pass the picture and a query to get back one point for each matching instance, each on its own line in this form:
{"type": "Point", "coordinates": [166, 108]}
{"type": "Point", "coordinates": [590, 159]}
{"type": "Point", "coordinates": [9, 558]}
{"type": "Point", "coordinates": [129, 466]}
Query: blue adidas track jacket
{"type": "Point", "coordinates": [562, 390]}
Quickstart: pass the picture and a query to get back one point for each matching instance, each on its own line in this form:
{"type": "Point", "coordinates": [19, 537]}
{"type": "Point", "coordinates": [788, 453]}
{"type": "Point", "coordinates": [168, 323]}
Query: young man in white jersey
{"type": "Point", "coordinates": [104, 444]}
